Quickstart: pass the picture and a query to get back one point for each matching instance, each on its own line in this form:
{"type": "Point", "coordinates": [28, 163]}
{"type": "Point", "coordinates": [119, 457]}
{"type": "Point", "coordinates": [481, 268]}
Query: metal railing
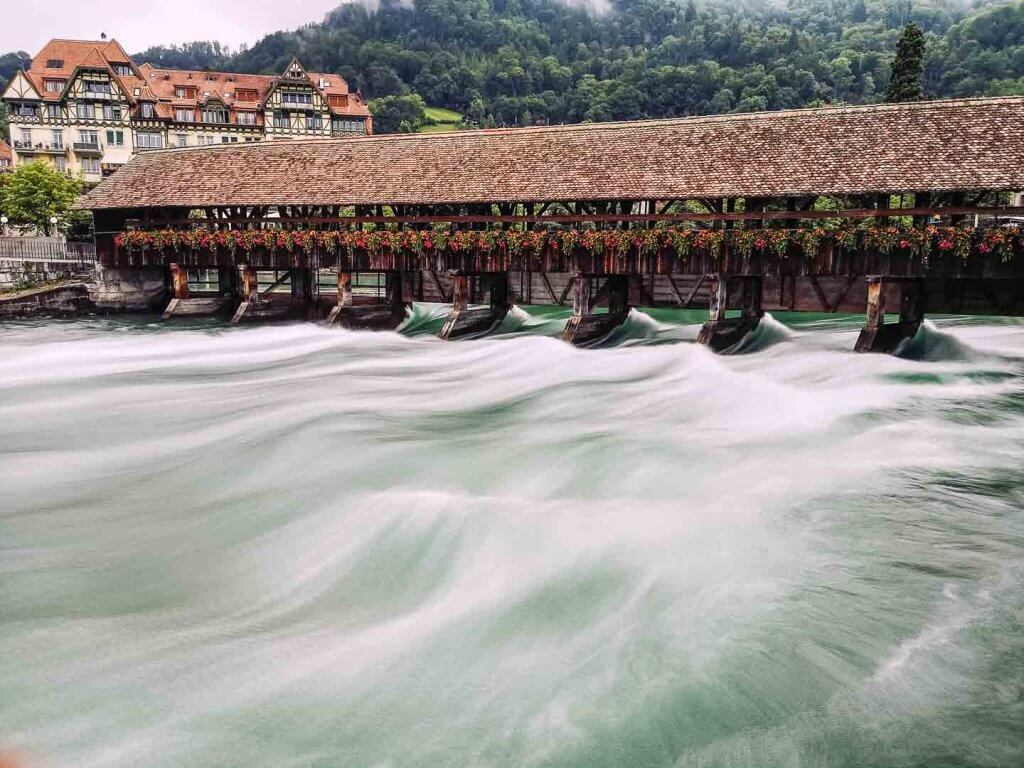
{"type": "Point", "coordinates": [46, 249]}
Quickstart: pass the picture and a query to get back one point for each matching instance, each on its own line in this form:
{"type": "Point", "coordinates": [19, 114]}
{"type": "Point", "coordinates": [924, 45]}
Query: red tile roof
{"type": "Point", "coordinates": [159, 84]}
{"type": "Point", "coordinates": [72, 54]}
{"type": "Point", "coordinates": [6, 153]}
{"type": "Point", "coordinates": [225, 85]}
{"type": "Point", "coordinates": [975, 144]}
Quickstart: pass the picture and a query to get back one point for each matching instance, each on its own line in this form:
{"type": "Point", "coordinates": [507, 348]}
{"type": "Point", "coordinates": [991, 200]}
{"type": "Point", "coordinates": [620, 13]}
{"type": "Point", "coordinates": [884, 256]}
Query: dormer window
{"type": "Point", "coordinates": [55, 63]}
{"type": "Point", "coordinates": [96, 87]}
{"type": "Point", "coordinates": [246, 94]}
{"type": "Point", "coordinates": [296, 97]}
{"type": "Point", "coordinates": [185, 92]}
{"type": "Point", "coordinates": [55, 86]}
{"type": "Point", "coordinates": [147, 110]}
{"type": "Point", "coordinates": [122, 69]}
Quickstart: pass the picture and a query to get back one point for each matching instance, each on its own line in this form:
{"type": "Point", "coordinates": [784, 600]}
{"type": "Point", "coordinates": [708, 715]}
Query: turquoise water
{"type": "Point", "coordinates": [297, 546]}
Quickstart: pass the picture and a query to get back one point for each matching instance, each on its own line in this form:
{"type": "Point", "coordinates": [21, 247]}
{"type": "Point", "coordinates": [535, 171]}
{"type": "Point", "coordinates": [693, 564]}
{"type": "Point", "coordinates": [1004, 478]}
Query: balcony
{"type": "Point", "coordinates": [88, 148]}
{"type": "Point", "coordinates": [39, 148]}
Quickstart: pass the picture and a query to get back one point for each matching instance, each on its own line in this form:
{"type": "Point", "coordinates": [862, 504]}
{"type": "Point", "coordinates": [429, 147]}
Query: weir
{"type": "Point", "coordinates": [853, 209]}
{"type": "Point", "coordinates": [464, 321]}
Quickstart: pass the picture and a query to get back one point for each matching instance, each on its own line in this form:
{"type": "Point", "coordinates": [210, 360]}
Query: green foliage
{"type": "Point", "coordinates": [907, 69]}
{"type": "Point", "coordinates": [398, 114]}
{"type": "Point", "coordinates": [33, 193]}
{"type": "Point", "coordinates": [520, 62]}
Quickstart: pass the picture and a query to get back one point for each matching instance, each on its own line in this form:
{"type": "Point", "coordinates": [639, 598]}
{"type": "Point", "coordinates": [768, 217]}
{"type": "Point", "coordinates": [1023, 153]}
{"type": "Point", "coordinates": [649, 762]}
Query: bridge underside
{"type": "Point", "coordinates": [360, 267]}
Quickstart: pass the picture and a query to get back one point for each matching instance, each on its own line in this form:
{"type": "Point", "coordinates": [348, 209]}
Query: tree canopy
{"type": "Point", "coordinates": [33, 193]}
{"type": "Point", "coordinates": [907, 69]}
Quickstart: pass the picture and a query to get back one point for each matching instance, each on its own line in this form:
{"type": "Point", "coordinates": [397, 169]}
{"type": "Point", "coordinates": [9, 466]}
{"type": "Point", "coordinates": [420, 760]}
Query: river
{"type": "Point", "coordinates": [295, 546]}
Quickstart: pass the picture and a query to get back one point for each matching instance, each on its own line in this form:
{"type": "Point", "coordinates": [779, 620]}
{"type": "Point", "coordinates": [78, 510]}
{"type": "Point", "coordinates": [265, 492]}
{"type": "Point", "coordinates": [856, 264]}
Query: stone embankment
{"type": "Point", "coordinates": [99, 292]}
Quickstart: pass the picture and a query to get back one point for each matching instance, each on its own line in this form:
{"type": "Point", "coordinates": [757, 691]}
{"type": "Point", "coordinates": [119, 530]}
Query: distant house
{"type": "Point", "coordinates": [6, 156]}
{"type": "Point", "coordinates": [85, 107]}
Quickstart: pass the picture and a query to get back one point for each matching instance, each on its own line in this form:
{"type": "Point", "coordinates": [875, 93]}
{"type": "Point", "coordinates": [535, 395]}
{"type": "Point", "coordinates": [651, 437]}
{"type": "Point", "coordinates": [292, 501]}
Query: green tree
{"type": "Point", "coordinates": [398, 114]}
{"type": "Point", "coordinates": [34, 193]}
{"type": "Point", "coordinates": [907, 69]}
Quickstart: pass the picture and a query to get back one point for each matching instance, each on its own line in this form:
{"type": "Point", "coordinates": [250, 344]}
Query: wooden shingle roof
{"type": "Point", "coordinates": [971, 144]}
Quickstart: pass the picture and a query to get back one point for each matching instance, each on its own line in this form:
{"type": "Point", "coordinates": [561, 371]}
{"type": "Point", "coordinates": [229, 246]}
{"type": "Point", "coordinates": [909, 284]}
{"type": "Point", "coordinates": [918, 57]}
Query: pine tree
{"type": "Point", "coordinates": [859, 13]}
{"type": "Point", "coordinates": [907, 69]}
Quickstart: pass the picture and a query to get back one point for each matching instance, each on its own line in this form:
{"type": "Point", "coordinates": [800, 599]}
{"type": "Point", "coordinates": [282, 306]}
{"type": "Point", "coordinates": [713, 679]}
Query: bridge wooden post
{"type": "Point", "coordinates": [372, 315]}
{"type": "Point", "coordinates": [584, 327]}
{"type": "Point", "coordinates": [465, 322]}
{"type": "Point", "coordinates": [179, 281]}
{"type": "Point", "coordinates": [183, 304]}
{"type": "Point", "coordinates": [721, 333]}
{"type": "Point", "coordinates": [879, 336]}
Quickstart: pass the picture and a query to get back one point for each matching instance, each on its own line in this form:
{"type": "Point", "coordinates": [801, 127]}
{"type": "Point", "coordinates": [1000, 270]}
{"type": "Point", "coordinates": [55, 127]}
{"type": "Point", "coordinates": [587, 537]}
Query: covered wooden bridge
{"type": "Point", "coordinates": [895, 210]}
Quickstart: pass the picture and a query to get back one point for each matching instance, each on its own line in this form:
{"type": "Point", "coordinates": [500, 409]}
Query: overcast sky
{"type": "Point", "coordinates": [142, 23]}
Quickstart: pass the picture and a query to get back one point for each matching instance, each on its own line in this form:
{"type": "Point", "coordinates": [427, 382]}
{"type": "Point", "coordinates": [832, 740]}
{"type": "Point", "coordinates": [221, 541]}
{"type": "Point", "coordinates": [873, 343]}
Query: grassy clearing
{"type": "Point", "coordinates": [442, 115]}
{"type": "Point", "coordinates": [440, 120]}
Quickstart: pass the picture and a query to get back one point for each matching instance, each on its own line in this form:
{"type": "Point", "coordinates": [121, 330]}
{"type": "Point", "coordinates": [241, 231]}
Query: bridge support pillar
{"type": "Point", "coordinates": [183, 304]}
{"type": "Point", "coordinates": [463, 321]}
{"type": "Point", "coordinates": [876, 335]}
{"type": "Point", "coordinates": [376, 316]}
{"type": "Point", "coordinates": [721, 333]}
{"type": "Point", "coordinates": [584, 327]}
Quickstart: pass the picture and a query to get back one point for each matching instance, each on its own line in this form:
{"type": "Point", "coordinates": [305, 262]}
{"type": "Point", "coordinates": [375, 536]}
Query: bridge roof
{"type": "Point", "coordinates": [970, 144]}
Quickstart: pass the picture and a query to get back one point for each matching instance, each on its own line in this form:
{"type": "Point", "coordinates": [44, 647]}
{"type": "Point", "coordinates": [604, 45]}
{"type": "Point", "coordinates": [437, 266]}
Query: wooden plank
{"type": "Point", "coordinates": [675, 290]}
{"type": "Point", "coordinates": [693, 293]}
{"type": "Point", "coordinates": [548, 288]}
{"type": "Point", "coordinates": [565, 293]}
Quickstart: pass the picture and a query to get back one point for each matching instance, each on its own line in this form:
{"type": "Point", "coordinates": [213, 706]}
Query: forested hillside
{"type": "Point", "coordinates": [516, 62]}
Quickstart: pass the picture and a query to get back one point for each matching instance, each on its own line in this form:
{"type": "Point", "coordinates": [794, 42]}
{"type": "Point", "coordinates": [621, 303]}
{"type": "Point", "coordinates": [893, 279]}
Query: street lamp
{"type": "Point", "coordinates": [3, 225]}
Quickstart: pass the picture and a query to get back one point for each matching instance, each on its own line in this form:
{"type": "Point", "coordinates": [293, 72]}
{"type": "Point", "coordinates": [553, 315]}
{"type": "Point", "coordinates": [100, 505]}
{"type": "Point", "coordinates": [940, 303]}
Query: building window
{"type": "Point", "coordinates": [58, 139]}
{"type": "Point", "coordinates": [229, 139]}
{"type": "Point", "coordinates": [245, 94]}
{"type": "Point", "coordinates": [146, 110]}
{"type": "Point", "coordinates": [25, 110]}
{"type": "Point", "coordinates": [53, 111]}
{"type": "Point", "coordinates": [185, 115]}
{"type": "Point", "coordinates": [215, 116]}
{"type": "Point", "coordinates": [122, 69]}
{"type": "Point", "coordinates": [282, 120]}
{"type": "Point", "coordinates": [111, 112]}
{"type": "Point", "coordinates": [85, 111]}
{"type": "Point", "coordinates": [185, 92]}
{"type": "Point", "coordinates": [55, 63]}
{"type": "Point", "coordinates": [181, 140]}
{"type": "Point", "coordinates": [246, 118]}
{"type": "Point", "coordinates": [204, 140]}
{"type": "Point", "coordinates": [341, 125]}
{"type": "Point", "coordinates": [89, 137]}
{"type": "Point", "coordinates": [314, 123]}
{"type": "Point", "coordinates": [26, 137]}
{"type": "Point", "coordinates": [115, 138]}
{"type": "Point", "coordinates": [94, 86]}
{"type": "Point", "coordinates": [148, 140]}
{"type": "Point", "coordinates": [60, 164]}
{"type": "Point", "coordinates": [296, 97]}
{"type": "Point", "coordinates": [91, 165]}
{"type": "Point", "coordinates": [55, 86]}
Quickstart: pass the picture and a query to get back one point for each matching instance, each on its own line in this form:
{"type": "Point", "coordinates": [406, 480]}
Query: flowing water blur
{"type": "Point", "coordinates": [294, 546]}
